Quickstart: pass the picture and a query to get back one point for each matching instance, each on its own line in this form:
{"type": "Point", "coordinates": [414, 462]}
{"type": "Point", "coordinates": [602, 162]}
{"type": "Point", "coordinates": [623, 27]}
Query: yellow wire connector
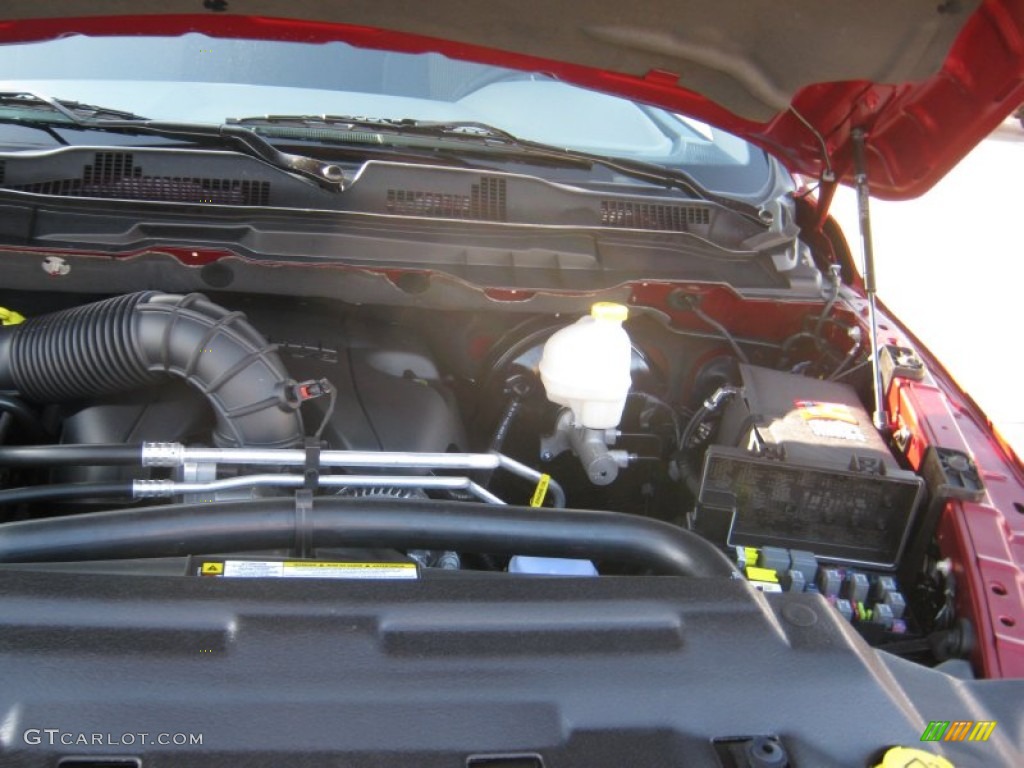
{"type": "Point", "coordinates": [10, 317]}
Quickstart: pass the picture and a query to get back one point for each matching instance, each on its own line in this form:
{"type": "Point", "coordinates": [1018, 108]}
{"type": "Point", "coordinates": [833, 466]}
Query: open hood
{"type": "Point", "coordinates": [926, 79]}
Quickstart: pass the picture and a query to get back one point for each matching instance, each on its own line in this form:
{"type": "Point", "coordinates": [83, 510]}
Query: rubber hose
{"type": "Point", "coordinates": [234, 526]}
{"type": "Point", "coordinates": [128, 342]}
{"type": "Point", "coordinates": [70, 455]}
{"type": "Point", "coordinates": [25, 416]}
{"type": "Point", "coordinates": [59, 491]}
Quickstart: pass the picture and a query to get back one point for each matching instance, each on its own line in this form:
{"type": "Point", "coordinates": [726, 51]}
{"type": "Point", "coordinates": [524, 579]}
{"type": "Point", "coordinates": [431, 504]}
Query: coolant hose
{"type": "Point", "coordinates": [129, 341]}
{"type": "Point", "coordinates": [233, 526]}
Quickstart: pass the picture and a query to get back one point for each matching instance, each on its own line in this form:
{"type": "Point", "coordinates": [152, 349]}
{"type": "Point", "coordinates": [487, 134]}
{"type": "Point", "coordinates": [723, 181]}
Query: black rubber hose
{"type": "Point", "coordinates": [60, 491]}
{"type": "Point", "coordinates": [183, 529]}
{"type": "Point", "coordinates": [127, 342]}
{"type": "Point", "coordinates": [24, 415]}
{"type": "Point", "coordinates": [70, 455]}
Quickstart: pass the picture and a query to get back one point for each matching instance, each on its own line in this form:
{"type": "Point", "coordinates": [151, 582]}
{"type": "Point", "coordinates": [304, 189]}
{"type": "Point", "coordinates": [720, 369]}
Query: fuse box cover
{"type": "Point", "coordinates": [804, 469]}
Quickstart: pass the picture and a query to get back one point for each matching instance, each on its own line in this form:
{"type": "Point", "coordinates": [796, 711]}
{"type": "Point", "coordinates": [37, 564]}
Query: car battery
{"type": "Point", "coordinates": [797, 464]}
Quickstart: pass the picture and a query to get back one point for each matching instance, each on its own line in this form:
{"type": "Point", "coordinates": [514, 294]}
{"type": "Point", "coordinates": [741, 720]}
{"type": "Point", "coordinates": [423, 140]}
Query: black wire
{"type": "Point", "coordinates": [807, 192]}
{"type": "Point", "coordinates": [332, 401]}
{"type": "Point", "coordinates": [673, 414]}
{"type": "Point", "coordinates": [850, 356]}
{"type": "Point", "coordinates": [692, 425]}
{"type": "Point", "coordinates": [851, 370]}
{"type": "Point", "coordinates": [722, 330]}
{"type": "Point", "coordinates": [686, 470]}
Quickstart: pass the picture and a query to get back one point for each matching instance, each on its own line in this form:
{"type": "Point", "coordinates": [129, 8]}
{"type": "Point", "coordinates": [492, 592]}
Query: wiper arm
{"type": "Point", "coordinates": [328, 175]}
{"type": "Point", "coordinates": [482, 137]}
{"type": "Point", "coordinates": [15, 105]}
{"type": "Point", "coordinates": [400, 126]}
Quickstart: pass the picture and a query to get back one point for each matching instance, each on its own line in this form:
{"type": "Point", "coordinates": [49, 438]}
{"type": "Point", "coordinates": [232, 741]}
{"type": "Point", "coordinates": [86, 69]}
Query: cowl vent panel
{"type": "Point", "coordinates": [486, 201]}
{"type": "Point", "coordinates": [633, 215]}
{"type": "Point", "coordinates": [115, 175]}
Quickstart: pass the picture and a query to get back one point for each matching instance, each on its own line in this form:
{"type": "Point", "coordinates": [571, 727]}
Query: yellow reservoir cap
{"type": "Point", "coordinates": [609, 310]}
{"type": "Point", "coordinates": [10, 317]}
{"type": "Point", "coordinates": [909, 757]}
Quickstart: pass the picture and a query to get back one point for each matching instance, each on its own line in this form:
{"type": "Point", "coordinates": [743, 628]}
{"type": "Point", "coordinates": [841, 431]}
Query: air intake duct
{"type": "Point", "coordinates": [130, 341]}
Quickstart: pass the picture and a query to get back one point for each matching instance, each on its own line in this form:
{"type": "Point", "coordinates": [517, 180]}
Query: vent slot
{"type": "Point", "coordinates": [114, 175]}
{"type": "Point", "coordinates": [485, 202]}
{"type": "Point", "coordinates": [407, 202]}
{"type": "Point", "coordinates": [488, 200]}
{"type": "Point", "coordinates": [633, 215]}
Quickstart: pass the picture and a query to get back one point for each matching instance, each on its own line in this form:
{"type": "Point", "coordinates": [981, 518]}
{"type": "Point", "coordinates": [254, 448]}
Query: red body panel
{"type": "Point", "coordinates": [984, 540]}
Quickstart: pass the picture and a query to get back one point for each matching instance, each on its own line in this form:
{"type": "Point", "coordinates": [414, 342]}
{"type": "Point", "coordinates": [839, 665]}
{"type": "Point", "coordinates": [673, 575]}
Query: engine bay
{"type": "Point", "coordinates": [244, 435]}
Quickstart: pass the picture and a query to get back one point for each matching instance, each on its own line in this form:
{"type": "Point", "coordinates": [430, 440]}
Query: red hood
{"type": "Point", "coordinates": [926, 79]}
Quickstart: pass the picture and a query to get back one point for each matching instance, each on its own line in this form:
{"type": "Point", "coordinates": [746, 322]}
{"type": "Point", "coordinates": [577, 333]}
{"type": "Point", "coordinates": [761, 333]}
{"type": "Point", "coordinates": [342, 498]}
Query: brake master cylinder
{"type": "Point", "coordinates": [585, 367]}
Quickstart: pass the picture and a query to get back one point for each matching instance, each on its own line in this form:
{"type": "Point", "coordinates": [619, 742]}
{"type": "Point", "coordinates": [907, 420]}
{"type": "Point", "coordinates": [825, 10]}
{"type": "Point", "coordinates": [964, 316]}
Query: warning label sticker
{"type": "Point", "coordinates": [303, 569]}
{"type": "Point", "coordinates": [833, 420]}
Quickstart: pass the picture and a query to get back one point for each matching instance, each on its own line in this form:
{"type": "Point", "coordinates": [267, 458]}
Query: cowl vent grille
{"type": "Point", "coordinates": [633, 215]}
{"type": "Point", "coordinates": [114, 175]}
{"type": "Point", "coordinates": [486, 201]}
{"type": "Point", "coordinates": [408, 202]}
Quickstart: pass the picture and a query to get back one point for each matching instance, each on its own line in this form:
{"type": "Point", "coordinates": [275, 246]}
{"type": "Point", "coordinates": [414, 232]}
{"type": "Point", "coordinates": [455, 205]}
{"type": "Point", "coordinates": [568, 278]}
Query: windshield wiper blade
{"type": "Point", "coordinates": [15, 105]}
{"type": "Point", "coordinates": [484, 136]}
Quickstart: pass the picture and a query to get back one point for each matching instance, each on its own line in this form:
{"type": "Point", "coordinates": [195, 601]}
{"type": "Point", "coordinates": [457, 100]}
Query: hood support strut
{"type": "Point", "coordinates": [860, 166]}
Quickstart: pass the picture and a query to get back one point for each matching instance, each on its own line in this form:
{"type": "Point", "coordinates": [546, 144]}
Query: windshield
{"type": "Point", "coordinates": [202, 79]}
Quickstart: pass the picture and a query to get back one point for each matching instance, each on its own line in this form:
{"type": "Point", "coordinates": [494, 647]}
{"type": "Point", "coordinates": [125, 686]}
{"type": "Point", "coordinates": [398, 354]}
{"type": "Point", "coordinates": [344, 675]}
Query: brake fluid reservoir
{"type": "Point", "coordinates": [585, 367]}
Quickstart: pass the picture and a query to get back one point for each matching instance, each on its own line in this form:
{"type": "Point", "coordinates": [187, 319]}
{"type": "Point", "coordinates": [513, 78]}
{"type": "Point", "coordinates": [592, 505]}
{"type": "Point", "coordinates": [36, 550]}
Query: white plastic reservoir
{"type": "Point", "coordinates": [585, 366]}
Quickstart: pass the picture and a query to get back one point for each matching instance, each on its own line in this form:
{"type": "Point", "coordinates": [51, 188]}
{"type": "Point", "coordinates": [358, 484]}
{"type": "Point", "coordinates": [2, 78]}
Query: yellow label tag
{"type": "Point", "coordinates": [10, 317]}
{"type": "Point", "coordinates": [814, 411]}
{"type": "Point", "coordinates": [540, 491]}
{"type": "Point", "coordinates": [212, 569]}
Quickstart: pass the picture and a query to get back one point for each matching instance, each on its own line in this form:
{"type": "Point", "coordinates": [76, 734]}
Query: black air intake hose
{"type": "Point", "coordinates": [239, 526]}
{"type": "Point", "coordinates": [128, 342]}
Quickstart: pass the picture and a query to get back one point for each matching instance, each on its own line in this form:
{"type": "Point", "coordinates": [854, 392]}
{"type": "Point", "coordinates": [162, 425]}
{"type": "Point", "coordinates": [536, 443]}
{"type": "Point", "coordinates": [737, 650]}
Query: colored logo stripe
{"type": "Point", "coordinates": [935, 731]}
{"type": "Point", "coordinates": [982, 730]}
{"type": "Point", "coordinates": [958, 730]}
